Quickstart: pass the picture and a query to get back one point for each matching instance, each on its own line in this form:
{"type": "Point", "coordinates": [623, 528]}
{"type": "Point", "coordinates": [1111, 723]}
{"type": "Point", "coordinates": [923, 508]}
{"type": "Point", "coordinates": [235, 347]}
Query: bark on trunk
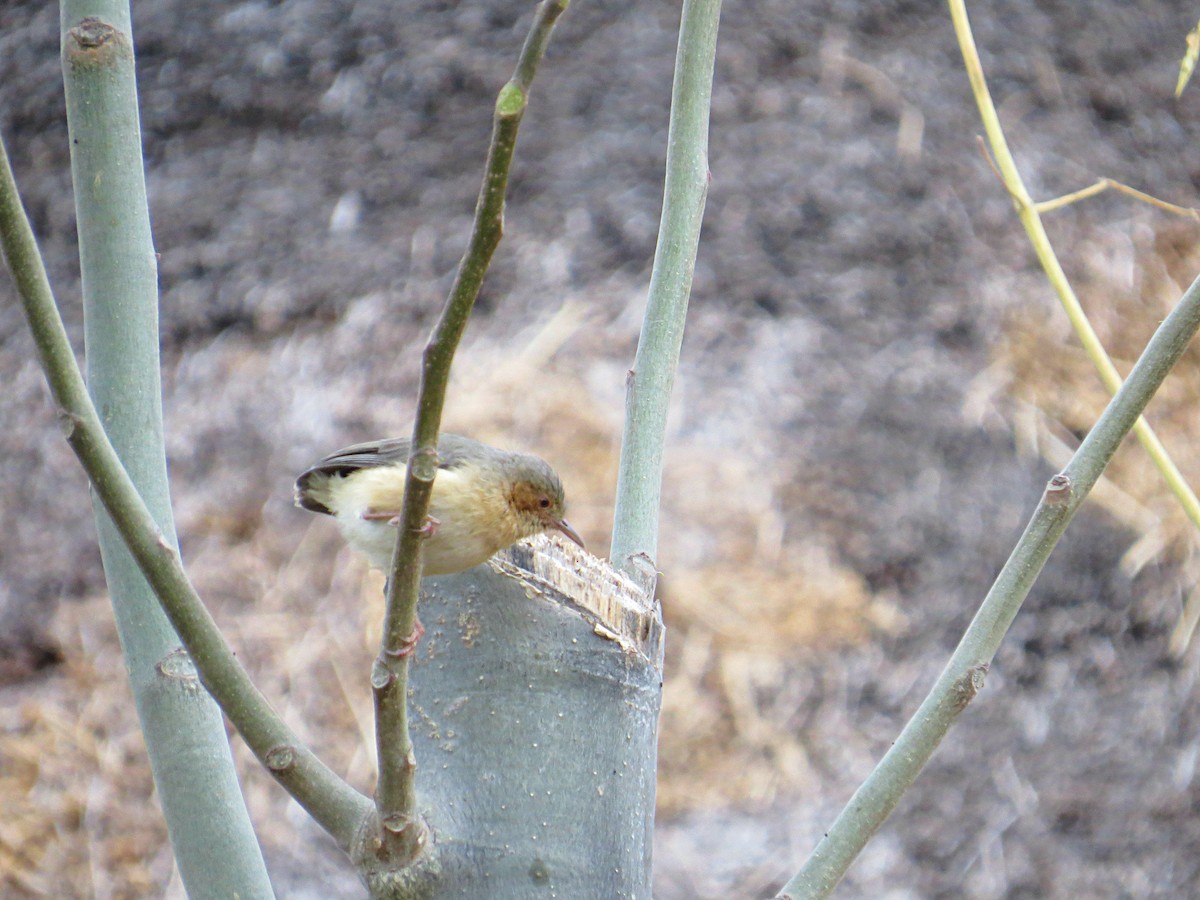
{"type": "Point", "coordinates": [535, 700]}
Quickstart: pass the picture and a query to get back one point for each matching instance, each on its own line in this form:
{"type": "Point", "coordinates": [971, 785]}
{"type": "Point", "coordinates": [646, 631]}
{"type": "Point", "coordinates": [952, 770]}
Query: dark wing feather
{"type": "Point", "coordinates": [453, 451]}
{"type": "Point", "coordinates": [390, 452]}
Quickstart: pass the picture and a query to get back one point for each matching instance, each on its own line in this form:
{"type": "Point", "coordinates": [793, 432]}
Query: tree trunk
{"type": "Point", "coordinates": [535, 696]}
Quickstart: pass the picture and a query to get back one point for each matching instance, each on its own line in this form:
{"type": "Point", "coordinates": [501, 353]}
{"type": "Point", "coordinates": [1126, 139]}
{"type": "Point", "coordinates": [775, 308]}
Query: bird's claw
{"type": "Point", "coordinates": [429, 529]}
{"type": "Point", "coordinates": [381, 515]}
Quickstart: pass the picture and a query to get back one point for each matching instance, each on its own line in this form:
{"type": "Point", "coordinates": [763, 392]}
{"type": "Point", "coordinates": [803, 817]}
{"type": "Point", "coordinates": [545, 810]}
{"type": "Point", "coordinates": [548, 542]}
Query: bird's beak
{"type": "Point", "coordinates": [563, 526]}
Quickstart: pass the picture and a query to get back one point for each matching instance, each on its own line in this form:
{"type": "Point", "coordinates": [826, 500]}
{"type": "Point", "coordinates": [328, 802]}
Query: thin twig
{"type": "Point", "coordinates": [1104, 184]}
{"type": "Point", "coordinates": [964, 674]}
{"type": "Point", "coordinates": [1074, 197]}
{"type": "Point", "coordinates": [336, 807]}
{"type": "Point", "coordinates": [987, 158]}
{"type": "Point", "coordinates": [403, 834]}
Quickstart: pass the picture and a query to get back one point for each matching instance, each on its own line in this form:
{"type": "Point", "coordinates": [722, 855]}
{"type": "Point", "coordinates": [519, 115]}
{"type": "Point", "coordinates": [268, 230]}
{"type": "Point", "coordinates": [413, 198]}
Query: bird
{"type": "Point", "coordinates": [483, 500]}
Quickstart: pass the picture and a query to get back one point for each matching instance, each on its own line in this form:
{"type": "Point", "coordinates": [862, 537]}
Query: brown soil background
{"type": "Point", "coordinates": [875, 385]}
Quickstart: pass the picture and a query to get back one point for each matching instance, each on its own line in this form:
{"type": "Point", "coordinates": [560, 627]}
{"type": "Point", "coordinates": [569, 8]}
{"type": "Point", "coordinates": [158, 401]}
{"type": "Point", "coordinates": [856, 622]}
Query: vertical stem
{"type": "Point", "coordinates": [402, 836]}
{"type": "Point", "coordinates": [215, 846]}
{"type": "Point", "coordinates": [648, 385]}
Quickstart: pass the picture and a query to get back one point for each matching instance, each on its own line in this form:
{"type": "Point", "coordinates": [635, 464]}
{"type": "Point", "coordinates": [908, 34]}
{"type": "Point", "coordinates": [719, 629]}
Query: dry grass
{"type": "Point", "coordinates": [1129, 280]}
{"type": "Point", "coordinates": [79, 814]}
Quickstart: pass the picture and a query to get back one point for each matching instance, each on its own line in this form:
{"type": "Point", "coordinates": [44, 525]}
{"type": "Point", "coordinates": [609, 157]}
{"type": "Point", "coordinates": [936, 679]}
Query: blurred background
{"type": "Point", "coordinates": [876, 383]}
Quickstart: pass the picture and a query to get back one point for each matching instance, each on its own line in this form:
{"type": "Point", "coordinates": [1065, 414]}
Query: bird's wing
{"type": "Point", "coordinates": [389, 452]}
{"type": "Point", "coordinates": [312, 487]}
{"type": "Point", "coordinates": [453, 451]}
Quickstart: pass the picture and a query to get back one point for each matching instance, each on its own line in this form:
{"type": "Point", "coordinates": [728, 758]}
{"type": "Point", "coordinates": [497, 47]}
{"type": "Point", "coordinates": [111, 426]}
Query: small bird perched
{"type": "Point", "coordinates": [483, 500]}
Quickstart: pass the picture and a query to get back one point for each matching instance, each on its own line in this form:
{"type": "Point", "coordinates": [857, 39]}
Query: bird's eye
{"type": "Point", "coordinates": [544, 502]}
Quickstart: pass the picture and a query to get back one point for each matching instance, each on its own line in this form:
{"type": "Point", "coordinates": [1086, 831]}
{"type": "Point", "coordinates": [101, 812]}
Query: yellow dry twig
{"type": "Point", "coordinates": [1105, 184]}
{"type": "Point", "coordinates": [1029, 213]}
{"type": "Point", "coordinates": [1188, 63]}
{"type": "Point", "coordinates": [1189, 619]}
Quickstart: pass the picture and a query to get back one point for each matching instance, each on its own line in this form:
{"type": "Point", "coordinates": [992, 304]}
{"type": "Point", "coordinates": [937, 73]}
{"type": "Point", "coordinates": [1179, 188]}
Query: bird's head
{"type": "Point", "coordinates": [536, 498]}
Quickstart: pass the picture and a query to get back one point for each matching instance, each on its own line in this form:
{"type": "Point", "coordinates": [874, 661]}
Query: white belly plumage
{"type": "Point", "coordinates": [377, 539]}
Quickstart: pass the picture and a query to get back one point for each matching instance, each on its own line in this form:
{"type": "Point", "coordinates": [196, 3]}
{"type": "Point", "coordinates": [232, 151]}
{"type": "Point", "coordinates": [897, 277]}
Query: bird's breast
{"type": "Point", "coordinates": [473, 518]}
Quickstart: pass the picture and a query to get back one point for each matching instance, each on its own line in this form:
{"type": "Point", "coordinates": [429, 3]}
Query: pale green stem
{"type": "Point", "coordinates": [214, 843]}
{"type": "Point", "coordinates": [648, 385]}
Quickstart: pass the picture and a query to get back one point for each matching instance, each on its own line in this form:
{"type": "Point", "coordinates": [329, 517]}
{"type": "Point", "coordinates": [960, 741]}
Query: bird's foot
{"type": "Point", "coordinates": [391, 516]}
{"type": "Point", "coordinates": [409, 644]}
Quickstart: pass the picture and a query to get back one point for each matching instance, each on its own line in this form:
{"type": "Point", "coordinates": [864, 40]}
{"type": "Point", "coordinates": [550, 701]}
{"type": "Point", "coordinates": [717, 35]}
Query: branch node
{"type": "Point", "coordinates": [424, 464]}
{"type": "Point", "coordinates": [398, 823]}
{"type": "Point", "coordinates": [94, 44]}
{"type": "Point", "coordinates": [969, 684]}
{"type": "Point", "coordinates": [91, 32]}
{"type": "Point", "coordinates": [511, 101]}
{"type": "Point", "coordinates": [69, 423]}
{"type": "Point", "coordinates": [178, 664]}
{"type": "Point", "coordinates": [403, 840]}
{"type": "Point", "coordinates": [1059, 490]}
{"type": "Point", "coordinates": [281, 759]}
{"type": "Point", "coordinates": [381, 675]}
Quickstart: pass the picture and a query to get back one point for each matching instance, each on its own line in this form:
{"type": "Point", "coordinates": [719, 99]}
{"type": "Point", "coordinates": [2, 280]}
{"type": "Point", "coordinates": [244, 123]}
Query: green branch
{"type": "Point", "coordinates": [403, 835]}
{"type": "Point", "coordinates": [648, 386]}
{"type": "Point", "coordinates": [963, 676]}
{"type": "Point", "coordinates": [337, 807]}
